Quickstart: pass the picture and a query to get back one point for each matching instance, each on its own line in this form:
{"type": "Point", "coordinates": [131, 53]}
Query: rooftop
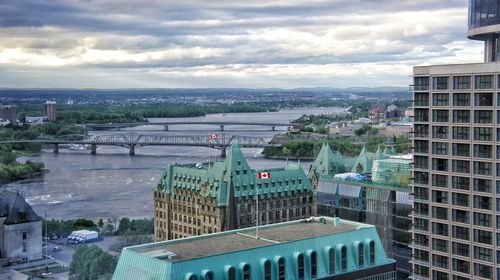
{"type": "Point", "coordinates": [243, 239]}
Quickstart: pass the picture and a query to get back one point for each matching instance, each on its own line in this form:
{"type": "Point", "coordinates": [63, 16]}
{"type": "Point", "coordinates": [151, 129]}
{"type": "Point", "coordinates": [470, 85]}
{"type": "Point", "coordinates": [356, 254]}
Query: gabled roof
{"type": "Point", "coordinates": [364, 161]}
{"type": "Point", "coordinates": [327, 163]}
{"type": "Point", "coordinates": [216, 179]}
{"type": "Point", "coordinates": [16, 209]}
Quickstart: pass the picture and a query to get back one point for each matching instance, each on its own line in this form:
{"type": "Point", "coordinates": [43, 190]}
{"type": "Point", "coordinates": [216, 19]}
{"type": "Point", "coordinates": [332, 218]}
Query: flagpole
{"type": "Point", "coordinates": [257, 211]}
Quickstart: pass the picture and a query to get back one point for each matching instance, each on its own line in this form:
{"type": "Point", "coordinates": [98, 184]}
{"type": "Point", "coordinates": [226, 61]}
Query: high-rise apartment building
{"type": "Point", "coordinates": [456, 229]}
{"type": "Point", "coordinates": [200, 198]}
{"type": "Point", "coordinates": [9, 113]}
{"type": "Point", "coordinates": [49, 110]}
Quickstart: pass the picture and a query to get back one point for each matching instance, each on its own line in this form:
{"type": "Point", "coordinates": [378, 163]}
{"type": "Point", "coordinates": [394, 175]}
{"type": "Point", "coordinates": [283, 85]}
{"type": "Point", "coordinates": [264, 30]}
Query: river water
{"type": "Point", "coordinates": [113, 184]}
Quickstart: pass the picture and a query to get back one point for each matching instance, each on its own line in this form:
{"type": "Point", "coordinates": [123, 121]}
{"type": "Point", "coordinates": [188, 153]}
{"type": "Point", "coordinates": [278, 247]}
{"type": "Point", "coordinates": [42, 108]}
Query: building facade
{"type": "Point", "coordinates": [49, 110]}
{"type": "Point", "coordinates": [383, 201]}
{"type": "Point", "coordinates": [199, 199]}
{"type": "Point", "coordinates": [20, 229]}
{"type": "Point", "coordinates": [9, 113]}
{"type": "Point", "coordinates": [319, 248]}
{"type": "Point", "coordinates": [456, 161]}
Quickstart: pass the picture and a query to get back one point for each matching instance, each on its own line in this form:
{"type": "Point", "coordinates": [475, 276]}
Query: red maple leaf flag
{"type": "Point", "coordinates": [264, 175]}
{"type": "Point", "coordinates": [213, 136]}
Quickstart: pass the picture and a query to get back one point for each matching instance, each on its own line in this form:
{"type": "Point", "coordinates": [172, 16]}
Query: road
{"type": "Point", "coordinates": [66, 253]}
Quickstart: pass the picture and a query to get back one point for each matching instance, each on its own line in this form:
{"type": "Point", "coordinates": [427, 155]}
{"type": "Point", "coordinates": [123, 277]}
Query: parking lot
{"type": "Point", "coordinates": [66, 253]}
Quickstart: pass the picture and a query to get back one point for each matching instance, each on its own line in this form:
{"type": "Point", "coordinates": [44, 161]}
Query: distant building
{"type": "Point", "coordinates": [36, 120]}
{"type": "Point", "coordinates": [20, 229]}
{"type": "Point", "coordinates": [9, 113]}
{"type": "Point", "coordinates": [49, 110]}
{"type": "Point", "coordinates": [384, 200]}
{"type": "Point", "coordinates": [198, 199]}
{"type": "Point", "coordinates": [377, 114]}
{"type": "Point", "coordinates": [320, 248]}
{"type": "Point", "coordinates": [393, 112]}
{"type": "Point", "coordinates": [396, 129]}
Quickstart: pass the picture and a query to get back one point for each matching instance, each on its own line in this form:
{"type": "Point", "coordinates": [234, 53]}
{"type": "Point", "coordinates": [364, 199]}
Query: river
{"type": "Point", "coordinates": [113, 184]}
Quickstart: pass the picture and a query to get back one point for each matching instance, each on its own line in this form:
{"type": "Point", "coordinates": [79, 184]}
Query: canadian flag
{"type": "Point", "coordinates": [213, 136]}
{"type": "Point", "coordinates": [264, 175]}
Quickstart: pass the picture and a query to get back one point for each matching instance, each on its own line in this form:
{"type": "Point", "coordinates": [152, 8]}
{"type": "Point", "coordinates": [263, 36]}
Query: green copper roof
{"type": "Point", "coordinates": [329, 163]}
{"type": "Point", "coordinates": [233, 175]}
{"type": "Point", "coordinates": [363, 164]}
{"type": "Point", "coordinates": [221, 251]}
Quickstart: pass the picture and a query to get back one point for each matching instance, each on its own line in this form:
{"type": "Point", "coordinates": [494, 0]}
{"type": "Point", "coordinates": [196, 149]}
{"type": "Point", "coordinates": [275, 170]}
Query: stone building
{"type": "Point", "coordinates": [20, 229]}
{"type": "Point", "coordinates": [204, 198]}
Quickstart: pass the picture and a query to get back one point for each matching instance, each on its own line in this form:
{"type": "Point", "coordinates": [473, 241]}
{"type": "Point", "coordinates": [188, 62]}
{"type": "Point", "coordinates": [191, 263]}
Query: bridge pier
{"type": "Point", "coordinates": [165, 128]}
{"type": "Point", "coordinates": [221, 127]}
{"type": "Point", "coordinates": [56, 148]}
{"type": "Point", "coordinates": [93, 149]}
{"type": "Point", "coordinates": [273, 128]}
{"type": "Point", "coordinates": [223, 152]}
{"type": "Point", "coordinates": [131, 150]}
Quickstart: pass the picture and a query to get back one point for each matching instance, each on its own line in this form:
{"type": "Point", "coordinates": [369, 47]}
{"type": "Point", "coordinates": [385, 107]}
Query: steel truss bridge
{"type": "Point", "coordinates": [134, 140]}
{"type": "Point", "coordinates": [166, 125]}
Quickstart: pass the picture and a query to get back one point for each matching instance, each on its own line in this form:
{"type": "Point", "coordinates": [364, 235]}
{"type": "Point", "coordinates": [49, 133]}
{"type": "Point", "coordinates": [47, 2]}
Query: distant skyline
{"type": "Point", "coordinates": [228, 43]}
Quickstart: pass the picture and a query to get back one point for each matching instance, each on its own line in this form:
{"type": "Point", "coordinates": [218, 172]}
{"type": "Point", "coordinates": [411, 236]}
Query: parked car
{"type": "Point", "coordinates": [56, 248]}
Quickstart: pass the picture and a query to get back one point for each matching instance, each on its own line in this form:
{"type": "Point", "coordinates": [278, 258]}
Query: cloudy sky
{"type": "Point", "coordinates": [227, 43]}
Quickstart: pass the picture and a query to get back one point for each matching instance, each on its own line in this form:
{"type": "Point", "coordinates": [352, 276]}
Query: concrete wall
{"type": "Point", "coordinates": [12, 243]}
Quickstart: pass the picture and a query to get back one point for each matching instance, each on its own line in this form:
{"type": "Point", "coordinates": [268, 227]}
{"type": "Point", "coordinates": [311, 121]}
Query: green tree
{"type": "Point", "coordinates": [90, 262]}
{"type": "Point", "coordinates": [124, 225]}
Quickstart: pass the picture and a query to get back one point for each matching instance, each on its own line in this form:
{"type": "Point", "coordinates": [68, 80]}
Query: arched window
{"type": "Point", "coordinates": [267, 270]}
{"type": "Point", "coordinates": [208, 275]}
{"type": "Point", "coordinates": [191, 276]}
{"type": "Point", "coordinates": [300, 267]}
{"type": "Point", "coordinates": [331, 261]}
{"type": "Point", "coordinates": [343, 258]}
{"type": "Point", "coordinates": [247, 274]}
{"type": "Point", "coordinates": [372, 252]}
{"type": "Point", "coordinates": [361, 254]}
{"type": "Point", "coordinates": [314, 264]}
{"type": "Point", "coordinates": [231, 273]}
{"type": "Point", "coordinates": [281, 269]}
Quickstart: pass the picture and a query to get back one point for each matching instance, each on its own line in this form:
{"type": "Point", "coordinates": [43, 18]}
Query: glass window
{"type": "Point", "coordinates": [314, 265]}
{"type": "Point", "coordinates": [231, 273]}
{"type": "Point", "coordinates": [483, 151]}
{"type": "Point", "coordinates": [483, 117]}
{"type": "Point", "coordinates": [440, 229]}
{"type": "Point", "coordinates": [483, 168]}
{"type": "Point", "coordinates": [482, 270]}
{"type": "Point", "coordinates": [439, 180]}
{"type": "Point", "coordinates": [440, 148]}
{"type": "Point", "coordinates": [440, 213]}
{"type": "Point", "coordinates": [440, 132]}
{"type": "Point", "coordinates": [440, 115]}
{"type": "Point", "coordinates": [461, 150]}
{"type": "Point", "coordinates": [440, 99]}
{"type": "Point", "coordinates": [331, 261]}
{"type": "Point", "coordinates": [440, 83]}
{"type": "Point", "coordinates": [421, 177]}
{"type": "Point", "coordinates": [421, 99]}
{"type": "Point", "coordinates": [461, 133]}
{"type": "Point", "coordinates": [481, 219]}
{"type": "Point", "coordinates": [461, 116]}
{"type": "Point", "coordinates": [440, 245]}
{"type": "Point", "coordinates": [460, 249]}
{"type": "Point", "coordinates": [281, 269]}
{"type": "Point", "coordinates": [421, 83]}
{"type": "Point", "coordinates": [483, 133]}
{"type": "Point", "coordinates": [421, 115]}
{"type": "Point", "coordinates": [247, 273]}
{"type": "Point", "coordinates": [460, 183]}
{"type": "Point", "coordinates": [484, 82]}
{"type": "Point", "coordinates": [482, 202]}
{"type": "Point", "coordinates": [421, 146]}
{"type": "Point", "coordinates": [421, 130]}
{"type": "Point", "coordinates": [460, 199]}
{"type": "Point", "coordinates": [421, 162]}
{"type": "Point", "coordinates": [461, 166]}
{"type": "Point", "coordinates": [460, 216]}
{"type": "Point", "coordinates": [461, 266]}
{"type": "Point", "coordinates": [461, 99]}
{"type": "Point", "coordinates": [439, 164]}
{"type": "Point", "coordinates": [439, 261]}
{"type": "Point", "coordinates": [267, 270]}
{"type": "Point", "coordinates": [300, 267]}
{"type": "Point", "coordinates": [372, 253]}
{"type": "Point", "coordinates": [482, 185]}
{"type": "Point", "coordinates": [343, 259]}
{"type": "Point", "coordinates": [461, 82]}
{"type": "Point", "coordinates": [460, 232]}
{"type": "Point", "coordinates": [483, 254]}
